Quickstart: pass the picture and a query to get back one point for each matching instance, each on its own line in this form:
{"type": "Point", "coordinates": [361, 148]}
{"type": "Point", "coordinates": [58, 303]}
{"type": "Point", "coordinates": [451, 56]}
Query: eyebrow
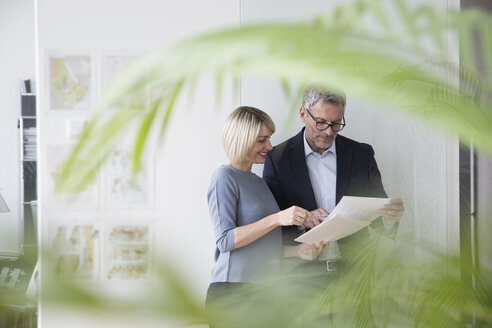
{"type": "Point", "coordinates": [325, 121]}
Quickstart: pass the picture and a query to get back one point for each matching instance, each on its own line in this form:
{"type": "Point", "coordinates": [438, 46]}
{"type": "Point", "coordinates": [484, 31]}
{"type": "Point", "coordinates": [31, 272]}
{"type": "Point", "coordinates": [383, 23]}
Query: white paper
{"type": "Point", "coordinates": [349, 216]}
{"type": "Point", "coordinates": [360, 208]}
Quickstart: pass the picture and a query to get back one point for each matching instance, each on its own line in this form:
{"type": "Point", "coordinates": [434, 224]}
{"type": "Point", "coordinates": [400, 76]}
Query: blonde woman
{"type": "Point", "coordinates": [245, 216]}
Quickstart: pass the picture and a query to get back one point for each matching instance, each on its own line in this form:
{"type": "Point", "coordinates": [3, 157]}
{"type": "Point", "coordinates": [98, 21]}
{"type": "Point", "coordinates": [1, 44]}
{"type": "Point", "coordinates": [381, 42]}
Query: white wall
{"type": "Point", "coordinates": [16, 63]}
{"type": "Point", "coordinates": [192, 149]}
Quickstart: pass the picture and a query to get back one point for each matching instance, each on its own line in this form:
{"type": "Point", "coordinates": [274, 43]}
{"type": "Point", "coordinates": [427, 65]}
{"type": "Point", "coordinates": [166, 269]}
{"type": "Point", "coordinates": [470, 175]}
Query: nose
{"type": "Point", "coordinates": [269, 145]}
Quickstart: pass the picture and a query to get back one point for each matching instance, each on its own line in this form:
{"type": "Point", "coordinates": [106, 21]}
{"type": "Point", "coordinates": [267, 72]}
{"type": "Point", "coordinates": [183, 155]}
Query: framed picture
{"type": "Point", "coordinates": [127, 251]}
{"type": "Point", "coordinates": [75, 248]}
{"type": "Point", "coordinates": [87, 200]}
{"type": "Point", "coordinates": [70, 80]}
{"type": "Point", "coordinates": [113, 64]}
{"type": "Point", "coordinates": [121, 190]}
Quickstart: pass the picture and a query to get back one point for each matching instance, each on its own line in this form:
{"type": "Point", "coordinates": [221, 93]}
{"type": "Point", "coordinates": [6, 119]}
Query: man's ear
{"type": "Point", "coordinates": [302, 114]}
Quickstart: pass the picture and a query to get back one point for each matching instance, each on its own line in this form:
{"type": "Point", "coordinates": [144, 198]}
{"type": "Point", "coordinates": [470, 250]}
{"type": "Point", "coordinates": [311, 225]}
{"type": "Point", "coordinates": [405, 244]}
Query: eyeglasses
{"type": "Point", "coordinates": [321, 126]}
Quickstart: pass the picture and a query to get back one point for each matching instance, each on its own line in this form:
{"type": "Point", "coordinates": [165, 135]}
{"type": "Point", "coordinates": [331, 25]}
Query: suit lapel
{"type": "Point", "coordinates": [344, 163]}
{"type": "Point", "coordinates": [300, 172]}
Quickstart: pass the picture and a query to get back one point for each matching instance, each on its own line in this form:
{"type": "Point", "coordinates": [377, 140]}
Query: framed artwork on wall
{"type": "Point", "coordinates": [70, 79]}
{"type": "Point", "coordinates": [75, 249]}
{"type": "Point", "coordinates": [121, 190]}
{"type": "Point", "coordinates": [113, 64]}
{"type": "Point", "coordinates": [128, 251]}
{"type": "Point", "coordinates": [87, 200]}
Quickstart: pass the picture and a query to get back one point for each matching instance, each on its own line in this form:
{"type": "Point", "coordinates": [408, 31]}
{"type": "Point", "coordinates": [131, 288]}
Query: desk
{"type": "Point", "coordinates": [17, 309]}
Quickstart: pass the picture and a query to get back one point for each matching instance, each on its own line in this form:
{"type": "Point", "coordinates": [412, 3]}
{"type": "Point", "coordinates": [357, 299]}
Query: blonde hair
{"type": "Point", "coordinates": [241, 130]}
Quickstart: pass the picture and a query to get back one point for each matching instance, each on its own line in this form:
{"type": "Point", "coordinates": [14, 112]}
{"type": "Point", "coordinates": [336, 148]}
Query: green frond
{"type": "Point", "coordinates": [142, 134]}
{"type": "Point", "coordinates": [169, 108]}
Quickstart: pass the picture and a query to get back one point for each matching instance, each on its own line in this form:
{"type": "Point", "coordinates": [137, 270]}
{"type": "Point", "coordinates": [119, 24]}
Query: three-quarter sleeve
{"type": "Point", "coordinates": [222, 196]}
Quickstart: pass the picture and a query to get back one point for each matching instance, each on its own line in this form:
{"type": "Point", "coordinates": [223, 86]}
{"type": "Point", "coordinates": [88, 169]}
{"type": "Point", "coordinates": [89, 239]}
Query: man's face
{"type": "Point", "coordinates": [322, 112]}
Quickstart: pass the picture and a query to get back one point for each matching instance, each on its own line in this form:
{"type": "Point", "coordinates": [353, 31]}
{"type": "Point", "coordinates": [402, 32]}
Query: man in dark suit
{"type": "Point", "coordinates": [315, 168]}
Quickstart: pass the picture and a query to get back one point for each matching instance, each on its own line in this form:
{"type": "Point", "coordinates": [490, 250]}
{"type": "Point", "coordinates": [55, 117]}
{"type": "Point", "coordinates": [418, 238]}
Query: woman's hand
{"type": "Point", "coordinates": [294, 215]}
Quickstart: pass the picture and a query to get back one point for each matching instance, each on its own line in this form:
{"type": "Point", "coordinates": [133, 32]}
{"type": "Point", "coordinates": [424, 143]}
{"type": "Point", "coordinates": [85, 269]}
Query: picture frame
{"type": "Point", "coordinates": [70, 77]}
{"type": "Point", "coordinates": [87, 200]}
{"type": "Point", "coordinates": [128, 251]}
{"type": "Point", "coordinates": [75, 249]}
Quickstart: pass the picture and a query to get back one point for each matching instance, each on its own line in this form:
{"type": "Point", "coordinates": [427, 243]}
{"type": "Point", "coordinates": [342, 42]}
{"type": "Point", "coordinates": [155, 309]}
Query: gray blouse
{"type": "Point", "coordinates": [237, 198]}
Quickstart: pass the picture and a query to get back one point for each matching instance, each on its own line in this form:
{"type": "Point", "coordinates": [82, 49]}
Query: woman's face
{"type": "Point", "coordinates": [261, 147]}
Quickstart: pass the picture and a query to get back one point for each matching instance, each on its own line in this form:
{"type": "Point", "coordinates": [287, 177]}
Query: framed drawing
{"type": "Point", "coordinates": [87, 200]}
{"type": "Point", "coordinates": [121, 190]}
{"type": "Point", "coordinates": [113, 64]}
{"type": "Point", "coordinates": [70, 80]}
{"type": "Point", "coordinates": [75, 249]}
{"type": "Point", "coordinates": [127, 254]}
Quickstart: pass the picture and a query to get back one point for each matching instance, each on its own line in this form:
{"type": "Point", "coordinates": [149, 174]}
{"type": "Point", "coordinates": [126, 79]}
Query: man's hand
{"type": "Point", "coordinates": [392, 212]}
{"type": "Point", "coordinates": [317, 216]}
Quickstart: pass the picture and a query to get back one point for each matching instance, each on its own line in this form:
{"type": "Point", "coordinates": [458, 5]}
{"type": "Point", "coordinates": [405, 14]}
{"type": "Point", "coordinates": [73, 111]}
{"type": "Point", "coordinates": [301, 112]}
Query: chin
{"type": "Point", "coordinates": [325, 144]}
{"type": "Point", "coordinates": [260, 160]}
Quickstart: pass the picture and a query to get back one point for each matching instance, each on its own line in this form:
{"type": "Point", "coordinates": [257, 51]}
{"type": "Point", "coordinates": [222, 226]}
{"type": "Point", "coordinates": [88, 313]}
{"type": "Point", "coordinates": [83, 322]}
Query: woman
{"type": "Point", "coordinates": [245, 216]}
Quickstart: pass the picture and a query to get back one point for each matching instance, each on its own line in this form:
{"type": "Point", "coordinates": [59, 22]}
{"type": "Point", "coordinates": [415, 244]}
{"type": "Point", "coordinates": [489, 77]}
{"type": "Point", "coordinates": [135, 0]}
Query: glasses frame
{"type": "Point", "coordinates": [329, 125]}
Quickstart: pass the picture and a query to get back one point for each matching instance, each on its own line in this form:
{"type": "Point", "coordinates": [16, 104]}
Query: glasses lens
{"type": "Point", "coordinates": [322, 126]}
{"type": "Point", "coordinates": [335, 127]}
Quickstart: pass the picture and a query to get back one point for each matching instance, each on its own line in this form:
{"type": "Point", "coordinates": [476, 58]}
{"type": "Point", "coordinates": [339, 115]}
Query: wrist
{"type": "Point", "coordinates": [275, 220]}
{"type": "Point", "coordinates": [388, 223]}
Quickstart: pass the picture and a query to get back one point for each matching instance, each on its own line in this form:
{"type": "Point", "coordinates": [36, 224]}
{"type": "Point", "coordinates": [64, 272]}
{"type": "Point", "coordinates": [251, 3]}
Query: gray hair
{"type": "Point", "coordinates": [313, 95]}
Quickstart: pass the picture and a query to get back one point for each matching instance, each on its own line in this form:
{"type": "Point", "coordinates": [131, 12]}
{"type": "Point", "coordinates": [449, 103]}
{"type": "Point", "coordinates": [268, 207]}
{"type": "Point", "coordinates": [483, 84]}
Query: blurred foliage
{"type": "Point", "coordinates": [397, 55]}
{"type": "Point", "coordinates": [384, 284]}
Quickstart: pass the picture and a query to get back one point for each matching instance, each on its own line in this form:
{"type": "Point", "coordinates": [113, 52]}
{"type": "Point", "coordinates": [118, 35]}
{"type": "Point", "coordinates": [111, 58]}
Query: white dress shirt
{"type": "Point", "coordinates": [322, 169]}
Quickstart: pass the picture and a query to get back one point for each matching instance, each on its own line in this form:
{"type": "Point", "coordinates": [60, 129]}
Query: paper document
{"type": "Point", "coordinates": [349, 216]}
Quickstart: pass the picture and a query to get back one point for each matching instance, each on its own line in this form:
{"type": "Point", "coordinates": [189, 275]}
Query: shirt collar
{"type": "Point", "coordinates": [308, 150]}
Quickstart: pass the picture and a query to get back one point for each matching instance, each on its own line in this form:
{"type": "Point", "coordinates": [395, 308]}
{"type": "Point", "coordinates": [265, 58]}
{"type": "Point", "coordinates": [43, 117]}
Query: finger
{"type": "Point", "coordinates": [295, 220]}
{"type": "Point", "coordinates": [300, 213]}
{"type": "Point", "coordinates": [396, 201]}
{"type": "Point", "coordinates": [314, 251]}
{"type": "Point", "coordinates": [393, 207]}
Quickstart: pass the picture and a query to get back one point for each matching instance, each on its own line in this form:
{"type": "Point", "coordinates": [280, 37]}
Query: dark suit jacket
{"type": "Point", "coordinates": [286, 174]}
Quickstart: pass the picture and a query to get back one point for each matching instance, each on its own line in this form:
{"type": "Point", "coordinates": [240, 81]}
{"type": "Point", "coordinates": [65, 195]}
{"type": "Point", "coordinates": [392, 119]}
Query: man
{"type": "Point", "coordinates": [315, 168]}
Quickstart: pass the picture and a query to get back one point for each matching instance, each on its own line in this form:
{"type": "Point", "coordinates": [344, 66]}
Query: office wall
{"type": "Point", "coordinates": [16, 62]}
{"type": "Point", "coordinates": [180, 168]}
